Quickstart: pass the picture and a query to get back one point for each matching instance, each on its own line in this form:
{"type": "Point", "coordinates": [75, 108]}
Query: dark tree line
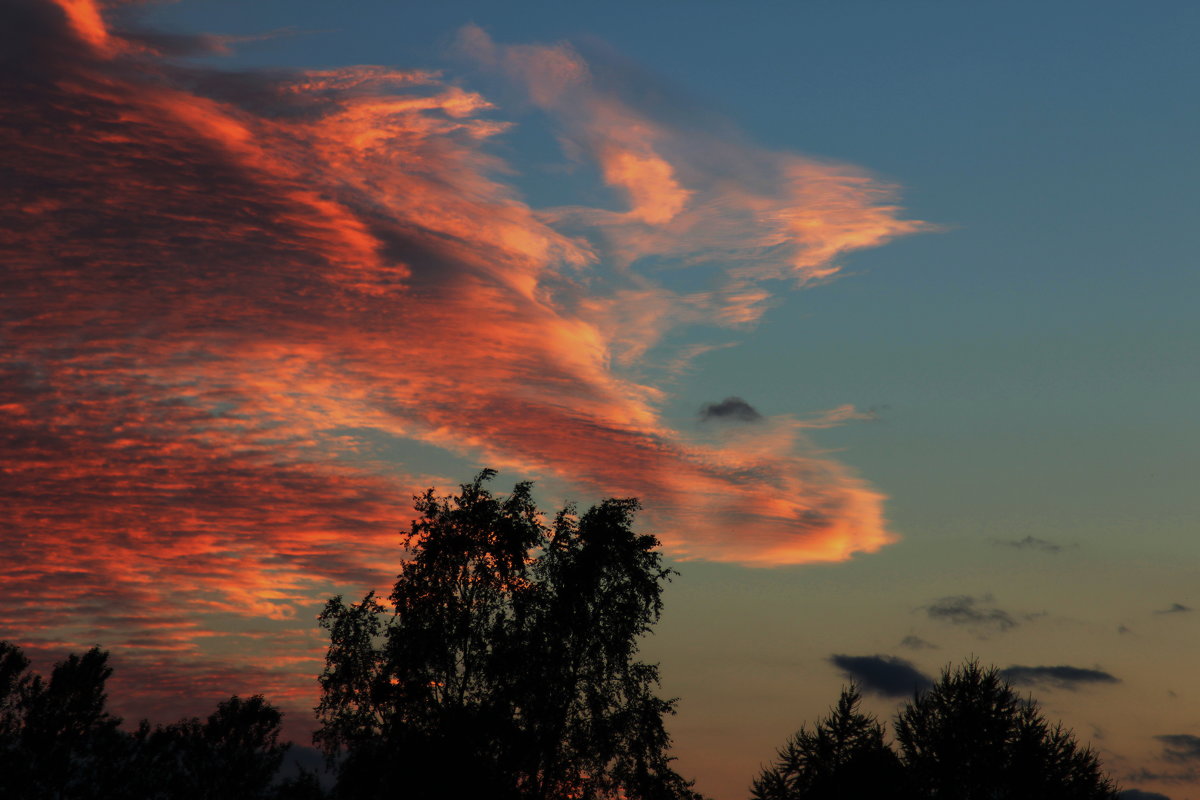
{"type": "Point", "coordinates": [969, 737]}
{"type": "Point", "coordinates": [503, 666]}
{"type": "Point", "coordinates": [58, 741]}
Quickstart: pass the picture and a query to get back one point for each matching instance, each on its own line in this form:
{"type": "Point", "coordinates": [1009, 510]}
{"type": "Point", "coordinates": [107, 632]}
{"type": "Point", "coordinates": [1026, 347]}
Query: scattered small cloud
{"type": "Point", "coordinates": [1138, 794]}
{"type": "Point", "coordinates": [967, 610]}
{"type": "Point", "coordinates": [731, 409]}
{"type": "Point", "coordinates": [1180, 748]}
{"type": "Point", "coordinates": [1061, 677]}
{"type": "Point", "coordinates": [888, 676]}
{"type": "Point", "coordinates": [1030, 543]}
{"type": "Point", "coordinates": [1176, 608]}
{"type": "Point", "coordinates": [913, 642]}
{"type": "Point", "coordinates": [838, 416]}
{"type": "Point", "coordinates": [1144, 775]}
{"type": "Point", "coordinates": [1123, 629]}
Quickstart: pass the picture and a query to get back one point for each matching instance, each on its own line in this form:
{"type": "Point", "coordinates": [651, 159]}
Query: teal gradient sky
{"type": "Point", "coordinates": [1026, 370]}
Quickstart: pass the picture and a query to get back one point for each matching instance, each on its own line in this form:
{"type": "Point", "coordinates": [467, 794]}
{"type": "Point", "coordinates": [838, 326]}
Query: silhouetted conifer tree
{"type": "Point", "coordinates": [508, 668]}
{"type": "Point", "coordinates": [843, 757]}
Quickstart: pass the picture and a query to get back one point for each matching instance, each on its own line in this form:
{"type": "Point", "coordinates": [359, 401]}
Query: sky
{"type": "Point", "coordinates": [885, 312]}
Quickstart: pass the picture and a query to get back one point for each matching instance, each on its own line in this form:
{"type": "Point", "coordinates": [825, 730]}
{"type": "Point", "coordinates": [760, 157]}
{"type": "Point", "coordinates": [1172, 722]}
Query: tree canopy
{"type": "Point", "coordinates": [843, 756]}
{"type": "Point", "coordinates": [507, 667]}
{"type": "Point", "coordinates": [969, 737]}
{"type": "Point", "coordinates": [972, 736]}
{"type": "Point", "coordinates": [58, 740]}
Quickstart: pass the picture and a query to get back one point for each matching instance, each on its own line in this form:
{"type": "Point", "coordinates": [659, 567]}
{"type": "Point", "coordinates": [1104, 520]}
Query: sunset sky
{"type": "Point", "coordinates": [886, 311]}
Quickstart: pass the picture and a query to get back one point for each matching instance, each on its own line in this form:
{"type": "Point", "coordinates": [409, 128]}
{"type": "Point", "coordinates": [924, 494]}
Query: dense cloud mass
{"type": "Point", "coordinates": [884, 675]}
{"type": "Point", "coordinates": [1063, 677]}
{"type": "Point", "coordinates": [227, 296]}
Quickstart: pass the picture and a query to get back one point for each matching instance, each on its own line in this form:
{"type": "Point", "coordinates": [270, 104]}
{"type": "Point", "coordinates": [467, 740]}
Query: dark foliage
{"type": "Point", "coordinates": [843, 757]}
{"type": "Point", "coordinates": [507, 668]}
{"type": "Point", "coordinates": [969, 737]}
{"type": "Point", "coordinates": [57, 740]}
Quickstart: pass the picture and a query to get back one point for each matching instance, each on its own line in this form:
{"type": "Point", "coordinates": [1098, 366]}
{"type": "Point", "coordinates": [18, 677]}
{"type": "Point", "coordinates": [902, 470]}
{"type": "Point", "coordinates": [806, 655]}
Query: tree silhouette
{"type": "Point", "coordinates": [58, 741]}
{"type": "Point", "coordinates": [969, 737]}
{"type": "Point", "coordinates": [842, 758]}
{"type": "Point", "coordinates": [234, 753]}
{"type": "Point", "coordinates": [58, 738]}
{"type": "Point", "coordinates": [972, 737]}
{"type": "Point", "coordinates": [508, 666]}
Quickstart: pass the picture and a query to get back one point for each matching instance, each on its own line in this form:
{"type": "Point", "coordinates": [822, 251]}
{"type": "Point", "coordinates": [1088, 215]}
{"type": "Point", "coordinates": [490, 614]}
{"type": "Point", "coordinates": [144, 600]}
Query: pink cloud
{"type": "Point", "coordinates": [218, 303]}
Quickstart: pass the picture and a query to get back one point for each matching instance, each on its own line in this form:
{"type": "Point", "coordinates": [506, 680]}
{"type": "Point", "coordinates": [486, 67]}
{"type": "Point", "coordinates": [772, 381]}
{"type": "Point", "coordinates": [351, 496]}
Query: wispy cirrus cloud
{"type": "Point", "coordinates": [226, 294]}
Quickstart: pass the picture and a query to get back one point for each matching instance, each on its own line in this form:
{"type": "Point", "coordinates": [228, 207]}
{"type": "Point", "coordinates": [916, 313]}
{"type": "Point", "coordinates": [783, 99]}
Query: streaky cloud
{"type": "Point", "coordinates": [1174, 608]}
{"type": "Point", "coordinates": [1180, 747]}
{"type": "Point", "coordinates": [1031, 543]}
{"type": "Point", "coordinates": [1062, 677]}
{"type": "Point", "coordinates": [967, 610]}
{"type": "Point", "coordinates": [224, 290]}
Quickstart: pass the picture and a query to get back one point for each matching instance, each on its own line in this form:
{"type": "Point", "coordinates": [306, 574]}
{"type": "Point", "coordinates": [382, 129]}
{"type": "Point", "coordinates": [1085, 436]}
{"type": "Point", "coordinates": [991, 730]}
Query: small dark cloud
{"type": "Point", "coordinates": [1143, 775]}
{"type": "Point", "coordinates": [1180, 747]}
{"type": "Point", "coordinates": [966, 610]}
{"type": "Point", "coordinates": [1123, 629]}
{"type": "Point", "coordinates": [884, 675]}
{"type": "Point", "coordinates": [1176, 608]}
{"type": "Point", "coordinates": [731, 409]}
{"type": "Point", "coordinates": [917, 643]}
{"type": "Point", "coordinates": [1138, 794]}
{"type": "Point", "coordinates": [1062, 677]}
{"type": "Point", "coordinates": [1030, 543]}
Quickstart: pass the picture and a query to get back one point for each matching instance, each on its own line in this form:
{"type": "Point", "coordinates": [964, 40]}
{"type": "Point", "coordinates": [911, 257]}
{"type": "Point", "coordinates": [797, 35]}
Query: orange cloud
{"type": "Point", "coordinates": [226, 311]}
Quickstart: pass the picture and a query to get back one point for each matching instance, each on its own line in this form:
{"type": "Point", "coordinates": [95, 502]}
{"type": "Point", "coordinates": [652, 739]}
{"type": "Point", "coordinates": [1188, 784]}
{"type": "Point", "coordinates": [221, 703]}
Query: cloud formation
{"type": "Point", "coordinates": [731, 409]}
{"type": "Point", "coordinates": [1062, 677]}
{"type": "Point", "coordinates": [229, 298]}
{"type": "Point", "coordinates": [1175, 608]}
{"type": "Point", "coordinates": [966, 610]}
{"type": "Point", "coordinates": [914, 642]}
{"type": "Point", "coordinates": [1031, 543]}
{"type": "Point", "coordinates": [888, 676]}
{"type": "Point", "coordinates": [1180, 747]}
